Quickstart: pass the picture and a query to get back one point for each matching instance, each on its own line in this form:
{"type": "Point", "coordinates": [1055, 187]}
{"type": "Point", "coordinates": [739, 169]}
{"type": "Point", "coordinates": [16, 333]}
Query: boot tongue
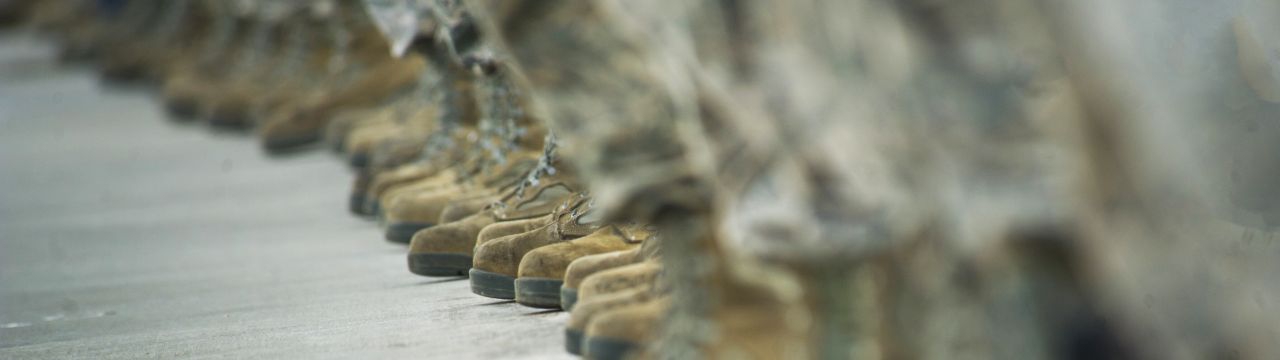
{"type": "Point", "coordinates": [398, 20]}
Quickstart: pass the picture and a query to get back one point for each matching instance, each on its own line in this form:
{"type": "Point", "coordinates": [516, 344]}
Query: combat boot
{"type": "Point", "coordinates": [14, 12]}
{"type": "Point", "coordinates": [460, 209]}
{"type": "Point", "coordinates": [512, 227]}
{"type": "Point", "coordinates": [525, 209]}
{"type": "Point", "coordinates": [638, 275]}
{"type": "Point", "coordinates": [374, 182]}
{"type": "Point", "coordinates": [188, 82]}
{"type": "Point", "coordinates": [335, 133]}
{"type": "Point", "coordinates": [542, 270]}
{"type": "Point", "coordinates": [294, 130]}
{"type": "Point", "coordinates": [408, 211]}
{"type": "Point", "coordinates": [580, 269]}
{"type": "Point", "coordinates": [391, 136]}
{"type": "Point", "coordinates": [637, 290]}
{"type": "Point", "coordinates": [496, 262]}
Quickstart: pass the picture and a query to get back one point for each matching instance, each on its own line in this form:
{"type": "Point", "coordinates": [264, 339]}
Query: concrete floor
{"type": "Point", "coordinates": [123, 235]}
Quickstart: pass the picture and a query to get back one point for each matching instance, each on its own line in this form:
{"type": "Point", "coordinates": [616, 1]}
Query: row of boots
{"type": "Point", "coordinates": [742, 178]}
{"type": "Point", "coordinates": [448, 158]}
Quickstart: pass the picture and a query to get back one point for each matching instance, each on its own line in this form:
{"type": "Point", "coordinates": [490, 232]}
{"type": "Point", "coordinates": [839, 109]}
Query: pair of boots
{"type": "Point", "coordinates": [277, 76]}
{"type": "Point", "coordinates": [615, 301]}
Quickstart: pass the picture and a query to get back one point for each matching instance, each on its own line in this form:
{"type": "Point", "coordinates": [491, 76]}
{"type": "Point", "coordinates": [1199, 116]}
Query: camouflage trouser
{"type": "Point", "coordinates": [894, 131]}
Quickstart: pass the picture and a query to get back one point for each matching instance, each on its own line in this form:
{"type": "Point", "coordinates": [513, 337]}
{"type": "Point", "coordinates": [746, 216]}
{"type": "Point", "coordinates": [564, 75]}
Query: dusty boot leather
{"type": "Point", "coordinates": [126, 49]}
{"type": "Point", "coordinates": [385, 80]}
{"type": "Point", "coordinates": [188, 82]}
{"type": "Point", "coordinates": [495, 264]}
{"type": "Point", "coordinates": [446, 250]}
{"type": "Point", "coordinates": [443, 166]}
{"type": "Point", "coordinates": [167, 37]}
{"type": "Point", "coordinates": [542, 270]}
{"type": "Point", "coordinates": [641, 274]}
{"type": "Point", "coordinates": [409, 211]}
{"type": "Point", "coordinates": [366, 196]}
{"type": "Point", "coordinates": [231, 108]}
{"type": "Point", "coordinates": [512, 227]}
{"type": "Point", "coordinates": [365, 182]}
{"type": "Point", "coordinates": [409, 133]}
{"type": "Point", "coordinates": [344, 122]}
{"type": "Point", "coordinates": [397, 186]}
{"type": "Point", "coordinates": [460, 209]}
{"type": "Point", "coordinates": [303, 65]}
{"type": "Point", "coordinates": [581, 268]}
{"type": "Point", "coordinates": [15, 12]}
{"type": "Point", "coordinates": [304, 128]}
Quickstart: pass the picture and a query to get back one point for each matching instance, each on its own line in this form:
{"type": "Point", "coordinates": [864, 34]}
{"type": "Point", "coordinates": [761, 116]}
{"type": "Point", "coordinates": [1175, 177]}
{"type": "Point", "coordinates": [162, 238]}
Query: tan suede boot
{"type": "Point", "coordinates": [233, 106]}
{"type": "Point", "coordinates": [586, 266]}
{"type": "Point", "coordinates": [189, 82]}
{"type": "Point", "coordinates": [443, 166]}
{"type": "Point", "coordinates": [542, 270]}
{"type": "Point", "coordinates": [407, 132]}
{"type": "Point", "coordinates": [409, 210]}
{"type": "Point", "coordinates": [496, 262]}
{"type": "Point", "coordinates": [14, 12]}
{"type": "Point", "coordinates": [461, 209]}
{"type": "Point", "coordinates": [512, 227]}
{"type": "Point", "coordinates": [291, 131]}
{"type": "Point", "coordinates": [524, 209]}
{"type": "Point", "coordinates": [641, 274]}
{"type": "Point", "coordinates": [133, 60]}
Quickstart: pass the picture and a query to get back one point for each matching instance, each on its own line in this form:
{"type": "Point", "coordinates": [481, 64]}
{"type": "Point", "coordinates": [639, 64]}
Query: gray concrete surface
{"type": "Point", "coordinates": [123, 235]}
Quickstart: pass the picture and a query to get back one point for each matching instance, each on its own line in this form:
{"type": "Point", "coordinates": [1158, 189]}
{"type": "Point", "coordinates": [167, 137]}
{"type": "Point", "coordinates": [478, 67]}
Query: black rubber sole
{"type": "Point", "coordinates": [568, 298]}
{"type": "Point", "coordinates": [573, 341]}
{"type": "Point", "coordinates": [358, 160]}
{"type": "Point", "coordinates": [182, 110]}
{"type": "Point", "coordinates": [77, 55]}
{"type": "Point", "coordinates": [538, 292]}
{"type": "Point", "coordinates": [494, 285]}
{"type": "Point", "coordinates": [402, 233]}
{"type": "Point", "coordinates": [124, 76]}
{"type": "Point", "coordinates": [230, 121]}
{"type": "Point", "coordinates": [373, 207]}
{"type": "Point", "coordinates": [289, 145]}
{"type": "Point", "coordinates": [439, 264]}
{"type": "Point", "coordinates": [608, 349]}
{"type": "Point", "coordinates": [356, 204]}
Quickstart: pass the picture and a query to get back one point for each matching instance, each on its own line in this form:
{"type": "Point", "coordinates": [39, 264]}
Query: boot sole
{"type": "Point", "coordinates": [402, 233]}
{"type": "Point", "coordinates": [182, 110]}
{"type": "Point", "coordinates": [568, 298]}
{"type": "Point", "coordinates": [230, 120]}
{"type": "Point", "coordinates": [373, 207]}
{"type": "Point", "coordinates": [573, 341]}
{"type": "Point", "coordinates": [358, 160]}
{"type": "Point", "coordinates": [124, 76]}
{"type": "Point", "coordinates": [608, 349]}
{"type": "Point", "coordinates": [288, 145]}
{"type": "Point", "coordinates": [538, 292]}
{"type": "Point", "coordinates": [494, 285]}
{"type": "Point", "coordinates": [355, 203]}
{"type": "Point", "coordinates": [439, 264]}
